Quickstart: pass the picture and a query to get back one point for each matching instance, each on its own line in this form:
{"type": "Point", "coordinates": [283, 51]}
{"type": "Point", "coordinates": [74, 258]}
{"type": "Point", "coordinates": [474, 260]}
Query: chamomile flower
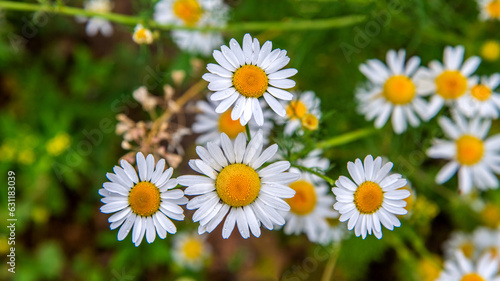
{"type": "Point", "coordinates": [191, 250]}
{"type": "Point", "coordinates": [460, 241]}
{"type": "Point", "coordinates": [392, 91]}
{"type": "Point", "coordinates": [246, 74]}
{"type": "Point", "coordinates": [142, 35]}
{"type": "Point", "coordinates": [487, 240]}
{"type": "Point", "coordinates": [372, 199]}
{"type": "Point", "coordinates": [489, 9]}
{"type": "Point", "coordinates": [199, 13]}
{"type": "Point", "coordinates": [481, 100]}
{"type": "Point", "coordinates": [303, 112]}
{"type": "Point", "coordinates": [144, 204]}
{"type": "Point", "coordinates": [310, 207]}
{"type": "Point", "coordinates": [475, 158]}
{"type": "Point", "coordinates": [463, 269]}
{"type": "Point", "coordinates": [97, 24]}
{"type": "Point", "coordinates": [448, 81]}
{"type": "Point", "coordinates": [234, 184]}
{"type": "Point", "coordinates": [209, 124]}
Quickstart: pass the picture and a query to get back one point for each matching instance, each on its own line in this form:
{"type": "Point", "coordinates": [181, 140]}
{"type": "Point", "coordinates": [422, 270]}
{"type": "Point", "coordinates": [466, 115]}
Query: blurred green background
{"type": "Point", "coordinates": [60, 92]}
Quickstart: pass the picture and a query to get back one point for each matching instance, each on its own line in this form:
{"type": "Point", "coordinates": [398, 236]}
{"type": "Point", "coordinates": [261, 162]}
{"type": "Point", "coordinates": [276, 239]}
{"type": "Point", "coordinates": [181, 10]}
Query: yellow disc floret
{"type": "Point", "coordinates": [304, 200]}
{"type": "Point", "coordinates": [250, 81]}
{"type": "Point", "coordinates": [229, 126]}
{"type": "Point", "coordinates": [188, 11]}
{"type": "Point", "coordinates": [467, 249]}
{"type": "Point", "coordinates": [490, 50]}
{"type": "Point", "coordinates": [399, 89]}
{"type": "Point", "coordinates": [481, 92]}
{"type": "Point", "coordinates": [144, 199]}
{"type": "Point", "coordinates": [296, 109]}
{"type": "Point", "coordinates": [368, 197]}
{"type": "Point", "coordinates": [238, 185]}
{"type": "Point", "coordinates": [451, 84]}
{"type": "Point", "coordinates": [494, 9]}
{"type": "Point", "coordinates": [192, 248]}
{"type": "Point", "coordinates": [490, 215]}
{"type": "Point", "coordinates": [472, 277]}
{"type": "Point", "coordinates": [310, 122]}
{"type": "Point", "coordinates": [470, 150]}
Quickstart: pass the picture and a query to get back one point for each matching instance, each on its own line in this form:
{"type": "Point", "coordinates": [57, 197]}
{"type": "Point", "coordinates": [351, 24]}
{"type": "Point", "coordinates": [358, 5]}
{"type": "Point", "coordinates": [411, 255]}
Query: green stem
{"type": "Point", "coordinates": [242, 26]}
{"type": "Point", "coordinates": [315, 172]}
{"type": "Point", "coordinates": [330, 266]}
{"type": "Point", "coordinates": [248, 132]}
{"type": "Point", "coordinates": [346, 138]}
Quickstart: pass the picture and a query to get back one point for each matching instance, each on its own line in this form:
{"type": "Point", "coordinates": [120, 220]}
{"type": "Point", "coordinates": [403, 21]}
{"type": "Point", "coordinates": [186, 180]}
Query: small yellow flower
{"type": "Point", "coordinates": [7, 151]}
{"type": "Point", "coordinates": [26, 157]}
{"type": "Point", "coordinates": [490, 215]}
{"type": "Point", "coordinates": [58, 144]}
{"type": "Point", "coordinates": [142, 35]}
{"type": "Point", "coordinates": [490, 50]}
{"type": "Point", "coordinates": [429, 268]}
{"type": "Point", "coordinates": [310, 122]}
{"type": "Point", "coordinates": [40, 215]}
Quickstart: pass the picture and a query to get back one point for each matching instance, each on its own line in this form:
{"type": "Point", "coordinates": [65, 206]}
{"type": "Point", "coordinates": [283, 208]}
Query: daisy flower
{"type": "Point", "coordinates": [373, 198]}
{"type": "Point", "coordinates": [302, 112]}
{"type": "Point", "coordinates": [475, 158]}
{"type": "Point", "coordinates": [490, 50]}
{"type": "Point", "coordinates": [209, 124]}
{"type": "Point", "coordinates": [191, 250]}
{"type": "Point", "coordinates": [463, 269]}
{"type": "Point", "coordinates": [310, 207]}
{"type": "Point", "coordinates": [233, 183]}
{"type": "Point", "coordinates": [481, 100]}
{"type": "Point", "coordinates": [460, 241]}
{"type": "Point", "coordinates": [392, 90]}
{"type": "Point", "coordinates": [487, 240]}
{"type": "Point", "coordinates": [142, 35]}
{"type": "Point", "coordinates": [193, 13]}
{"type": "Point", "coordinates": [245, 75]}
{"type": "Point", "coordinates": [489, 9]}
{"type": "Point", "coordinates": [448, 81]}
{"type": "Point", "coordinates": [144, 202]}
{"type": "Point", "coordinates": [97, 24]}
{"type": "Point", "coordinates": [490, 215]}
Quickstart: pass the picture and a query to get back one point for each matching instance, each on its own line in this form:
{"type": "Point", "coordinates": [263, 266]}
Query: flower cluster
{"type": "Point", "coordinates": [242, 183]}
{"type": "Point", "coordinates": [400, 90]}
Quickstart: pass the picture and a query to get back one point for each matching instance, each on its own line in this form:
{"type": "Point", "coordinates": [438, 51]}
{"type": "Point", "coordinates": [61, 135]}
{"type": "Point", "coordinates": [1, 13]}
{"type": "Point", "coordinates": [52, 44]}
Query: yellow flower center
{"type": "Point", "coordinates": [467, 249]}
{"type": "Point", "coordinates": [451, 84]}
{"type": "Point", "coordinates": [470, 150]}
{"type": "Point", "coordinates": [490, 50]}
{"type": "Point", "coordinates": [428, 269]}
{"type": "Point", "coordinates": [229, 126]}
{"type": "Point", "coordinates": [192, 248]}
{"type": "Point", "coordinates": [250, 81]}
{"type": "Point", "coordinates": [188, 10]}
{"type": "Point", "coordinates": [141, 34]}
{"type": "Point", "coordinates": [304, 200]}
{"type": "Point", "coordinates": [296, 109]}
{"type": "Point", "coordinates": [368, 197]}
{"type": "Point", "coordinates": [490, 215]}
{"type": "Point", "coordinates": [494, 8]}
{"type": "Point", "coordinates": [238, 185]}
{"type": "Point", "coordinates": [399, 89]}
{"type": "Point", "coordinates": [481, 92]}
{"type": "Point", "coordinates": [144, 199]}
{"type": "Point", "coordinates": [310, 122]}
{"type": "Point", "coordinates": [472, 277]}
{"type": "Point", "coordinates": [58, 144]}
